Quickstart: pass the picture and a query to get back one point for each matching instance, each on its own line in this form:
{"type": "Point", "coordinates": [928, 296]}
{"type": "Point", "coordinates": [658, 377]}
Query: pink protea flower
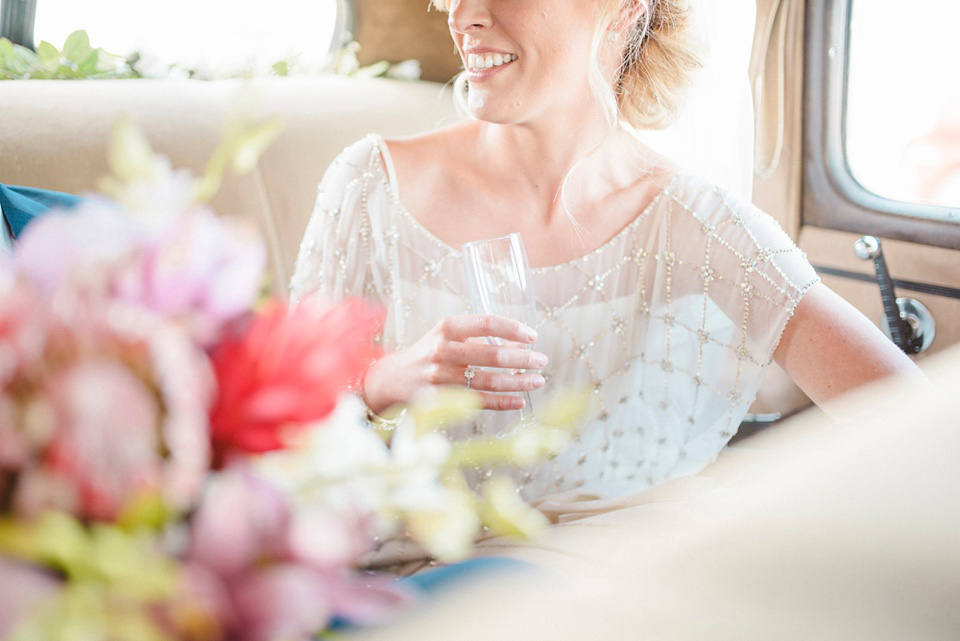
{"type": "Point", "coordinates": [286, 370]}
{"type": "Point", "coordinates": [113, 407]}
{"type": "Point", "coordinates": [24, 323]}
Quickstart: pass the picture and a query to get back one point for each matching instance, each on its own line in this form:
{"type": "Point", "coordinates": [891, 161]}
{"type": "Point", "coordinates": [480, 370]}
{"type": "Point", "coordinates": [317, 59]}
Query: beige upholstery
{"type": "Point", "coordinates": [54, 135]}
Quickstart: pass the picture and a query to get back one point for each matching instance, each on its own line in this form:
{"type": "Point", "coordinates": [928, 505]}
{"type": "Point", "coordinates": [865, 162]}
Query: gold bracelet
{"type": "Point", "coordinates": [384, 424]}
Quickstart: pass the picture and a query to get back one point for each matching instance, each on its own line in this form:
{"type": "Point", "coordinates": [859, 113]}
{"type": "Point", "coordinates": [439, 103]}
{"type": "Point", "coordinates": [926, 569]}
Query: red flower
{"type": "Point", "coordinates": [286, 370]}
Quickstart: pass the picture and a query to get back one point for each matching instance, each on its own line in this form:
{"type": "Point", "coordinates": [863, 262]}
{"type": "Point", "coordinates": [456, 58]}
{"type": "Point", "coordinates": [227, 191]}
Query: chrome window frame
{"type": "Point", "coordinates": [831, 196]}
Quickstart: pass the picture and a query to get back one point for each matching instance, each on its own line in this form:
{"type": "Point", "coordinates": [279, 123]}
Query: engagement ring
{"type": "Point", "coordinates": [468, 374]}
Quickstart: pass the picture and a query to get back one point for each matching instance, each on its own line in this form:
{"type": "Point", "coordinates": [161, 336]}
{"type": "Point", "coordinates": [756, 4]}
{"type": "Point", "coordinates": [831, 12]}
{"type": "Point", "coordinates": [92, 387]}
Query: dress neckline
{"type": "Point", "coordinates": [386, 165]}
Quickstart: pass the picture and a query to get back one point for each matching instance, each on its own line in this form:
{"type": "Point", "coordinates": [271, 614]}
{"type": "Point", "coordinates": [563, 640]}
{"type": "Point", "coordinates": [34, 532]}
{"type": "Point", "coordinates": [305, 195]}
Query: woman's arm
{"type": "Point", "coordinates": [829, 348]}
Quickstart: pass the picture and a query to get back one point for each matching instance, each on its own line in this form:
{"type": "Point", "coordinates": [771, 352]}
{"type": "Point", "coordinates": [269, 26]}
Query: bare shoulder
{"type": "Point", "coordinates": [424, 164]}
{"type": "Point", "coordinates": [438, 146]}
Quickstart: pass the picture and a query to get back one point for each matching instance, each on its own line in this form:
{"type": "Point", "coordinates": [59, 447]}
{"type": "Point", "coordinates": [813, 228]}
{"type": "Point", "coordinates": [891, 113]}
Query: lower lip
{"type": "Point", "coordinates": [483, 74]}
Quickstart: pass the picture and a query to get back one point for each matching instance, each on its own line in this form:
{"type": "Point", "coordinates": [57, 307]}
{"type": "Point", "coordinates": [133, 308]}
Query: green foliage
{"type": "Point", "coordinates": [77, 60]}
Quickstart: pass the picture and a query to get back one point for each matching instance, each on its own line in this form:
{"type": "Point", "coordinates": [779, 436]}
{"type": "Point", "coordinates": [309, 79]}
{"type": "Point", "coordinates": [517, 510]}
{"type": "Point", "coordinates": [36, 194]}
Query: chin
{"type": "Point", "coordinates": [499, 112]}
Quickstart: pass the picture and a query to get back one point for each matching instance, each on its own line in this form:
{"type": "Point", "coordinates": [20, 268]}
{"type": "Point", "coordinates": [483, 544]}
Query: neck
{"type": "Point", "coordinates": [535, 155]}
{"type": "Point", "coordinates": [536, 163]}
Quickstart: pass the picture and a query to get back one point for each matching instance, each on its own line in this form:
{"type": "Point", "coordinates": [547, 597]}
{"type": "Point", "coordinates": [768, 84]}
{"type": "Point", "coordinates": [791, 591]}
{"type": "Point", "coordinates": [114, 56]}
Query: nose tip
{"type": "Point", "coordinates": [468, 15]}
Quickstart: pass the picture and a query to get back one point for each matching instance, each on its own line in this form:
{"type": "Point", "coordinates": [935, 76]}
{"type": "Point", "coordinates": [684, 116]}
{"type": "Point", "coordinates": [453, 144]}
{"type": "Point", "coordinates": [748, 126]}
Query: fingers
{"type": "Point", "coordinates": [460, 328]}
{"type": "Point", "coordinates": [485, 380]}
{"type": "Point", "coordinates": [502, 402]}
{"type": "Point", "coordinates": [486, 355]}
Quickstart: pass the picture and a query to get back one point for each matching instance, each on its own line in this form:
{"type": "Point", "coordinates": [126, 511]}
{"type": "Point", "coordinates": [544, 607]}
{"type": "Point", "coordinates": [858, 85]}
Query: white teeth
{"type": "Point", "coordinates": [475, 61]}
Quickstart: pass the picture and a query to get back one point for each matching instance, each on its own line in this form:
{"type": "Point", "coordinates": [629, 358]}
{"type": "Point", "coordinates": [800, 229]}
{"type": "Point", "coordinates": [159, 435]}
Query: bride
{"type": "Point", "coordinates": [662, 294]}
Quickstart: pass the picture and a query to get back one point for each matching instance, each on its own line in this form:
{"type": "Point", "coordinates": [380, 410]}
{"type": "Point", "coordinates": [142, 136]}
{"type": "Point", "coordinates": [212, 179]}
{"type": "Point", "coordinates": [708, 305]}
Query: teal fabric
{"type": "Point", "coordinates": [20, 205]}
{"type": "Point", "coordinates": [6, 238]}
{"type": "Point", "coordinates": [434, 581]}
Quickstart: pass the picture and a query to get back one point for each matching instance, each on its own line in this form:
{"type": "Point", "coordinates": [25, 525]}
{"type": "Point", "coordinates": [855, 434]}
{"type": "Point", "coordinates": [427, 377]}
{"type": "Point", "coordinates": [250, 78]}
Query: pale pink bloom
{"type": "Point", "coordinates": [294, 601]}
{"type": "Point", "coordinates": [332, 539]}
{"type": "Point", "coordinates": [201, 270]}
{"type": "Point", "coordinates": [196, 269]}
{"type": "Point", "coordinates": [77, 248]}
{"type": "Point", "coordinates": [242, 519]}
{"type": "Point", "coordinates": [23, 588]}
{"type": "Point", "coordinates": [281, 601]}
{"type": "Point", "coordinates": [369, 600]}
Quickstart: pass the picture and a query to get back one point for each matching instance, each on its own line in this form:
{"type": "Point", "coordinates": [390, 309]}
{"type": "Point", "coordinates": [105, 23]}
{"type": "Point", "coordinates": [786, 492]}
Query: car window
{"type": "Point", "coordinates": [213, 37]}
{"type": "Point", "coordinates": [902, 124]}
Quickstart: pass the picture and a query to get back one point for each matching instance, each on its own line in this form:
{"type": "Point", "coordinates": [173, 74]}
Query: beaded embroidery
{"type": "Point", "coordinates": [670, 323]}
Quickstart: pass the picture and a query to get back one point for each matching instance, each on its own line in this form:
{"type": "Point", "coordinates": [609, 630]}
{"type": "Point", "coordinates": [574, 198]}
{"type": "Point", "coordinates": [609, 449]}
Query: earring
{"type": "Point", "coordinates": [611, 36]}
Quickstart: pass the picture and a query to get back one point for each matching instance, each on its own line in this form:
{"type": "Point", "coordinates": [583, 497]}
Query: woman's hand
{"type": "Point", "coordinates": [442, 356]}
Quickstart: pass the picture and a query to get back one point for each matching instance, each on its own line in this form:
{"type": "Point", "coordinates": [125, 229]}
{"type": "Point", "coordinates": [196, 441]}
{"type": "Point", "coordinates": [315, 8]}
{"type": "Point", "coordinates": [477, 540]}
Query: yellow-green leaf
{"type": "Point", "coordinates": [145, 510]}
{"type": "Point", "coordinates": [48, 54]}
{"type": "Point", "coordinates": [130, 154]}
{"type": "Point", "coordinates": [447, 406]}
{"type": "Point", "coordinates": [505, 513]}
{"type": "Point", "coordinates": [565, 411]}
{"type": "Point", "coordinates": [251, 142]}
{"type": "Point", "coordinates": [77, 48]}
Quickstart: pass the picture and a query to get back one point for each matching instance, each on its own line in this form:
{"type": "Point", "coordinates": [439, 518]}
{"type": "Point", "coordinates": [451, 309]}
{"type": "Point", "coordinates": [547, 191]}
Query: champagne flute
{"type": "Point", "coordinates": [500, 283]}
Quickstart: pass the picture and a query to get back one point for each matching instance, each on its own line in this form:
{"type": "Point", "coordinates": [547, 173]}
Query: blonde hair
{"type": "Point", "coordinates": [658, 64]}
{"type": "Point", "coordinates": [660, 58]}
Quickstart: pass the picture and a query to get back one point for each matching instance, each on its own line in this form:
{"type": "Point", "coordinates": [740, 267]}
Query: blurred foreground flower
{"type": "Point", "coordinates": [179, 462]}
{"type": "Point", "coordinates": [286, 369]}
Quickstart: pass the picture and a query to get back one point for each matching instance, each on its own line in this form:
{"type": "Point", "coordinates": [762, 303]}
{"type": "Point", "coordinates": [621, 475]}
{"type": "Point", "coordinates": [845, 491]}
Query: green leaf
{"type": "Point", "coordinates": [240, 147]}
{"type": "Point", "coordinates": [148, 510]}
{"type": "Point", "coordinates": [374, 70]}
{"type": "Point", "coordinates": [447, 406]}
{"type": "Point", "coordinates": [48, 54]}
{"type": "Point", "coordinates": [565, 411]}
{"type": "Point", "coordinates": [251, 143]}
{"type": "Point", "coordinates": [130, 154]}
{"type": "Point", "coordinates": [90, 65]}
{"type": "Point", "coordinates": [76, 48]}
{"type": "Point", "coordinates": [18, 61]}
{"type": "Point", "coordinates": [505, 513]}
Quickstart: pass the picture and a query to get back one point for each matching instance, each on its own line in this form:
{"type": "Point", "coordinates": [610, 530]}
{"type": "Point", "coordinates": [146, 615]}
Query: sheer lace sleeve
{"type": "Point", "coordinates": [334, 260]}
{"type": "Point", "coordinates": [750, 268]}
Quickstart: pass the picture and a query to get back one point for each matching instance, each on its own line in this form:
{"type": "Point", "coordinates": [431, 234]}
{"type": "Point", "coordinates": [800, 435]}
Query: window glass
{"type": "Point", "coordinates": [902, 125]}
{"type": "Point", "coordinates": [212, 37]}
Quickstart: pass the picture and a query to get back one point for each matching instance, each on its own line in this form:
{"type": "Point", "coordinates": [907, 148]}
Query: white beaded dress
{"type": "Point", "coordinates": [670, 324]}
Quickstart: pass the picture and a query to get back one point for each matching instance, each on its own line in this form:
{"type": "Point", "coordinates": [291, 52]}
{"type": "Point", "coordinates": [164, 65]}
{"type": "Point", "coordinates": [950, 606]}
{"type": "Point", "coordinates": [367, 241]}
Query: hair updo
{"type": "Point", "coordinates": [658, 63]}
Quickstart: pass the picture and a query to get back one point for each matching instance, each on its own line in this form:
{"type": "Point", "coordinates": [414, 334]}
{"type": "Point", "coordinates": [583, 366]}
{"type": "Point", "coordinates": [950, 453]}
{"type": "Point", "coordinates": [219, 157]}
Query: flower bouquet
{"type": "Point", "coordinates": [181, 459]}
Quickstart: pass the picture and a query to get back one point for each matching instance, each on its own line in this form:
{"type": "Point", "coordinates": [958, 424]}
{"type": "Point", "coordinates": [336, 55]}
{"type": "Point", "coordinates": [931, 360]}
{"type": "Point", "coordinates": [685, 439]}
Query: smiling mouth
{"type": "Point", "coordinates": [479, 62]}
